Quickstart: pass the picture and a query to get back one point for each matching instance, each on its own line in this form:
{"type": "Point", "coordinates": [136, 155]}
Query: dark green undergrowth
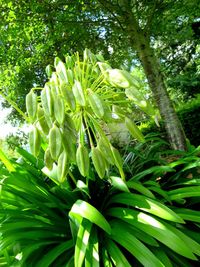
{"type": "Point", "coordinates": [189, 114]}
{"type": "Point", "coordinates": [152, 219]}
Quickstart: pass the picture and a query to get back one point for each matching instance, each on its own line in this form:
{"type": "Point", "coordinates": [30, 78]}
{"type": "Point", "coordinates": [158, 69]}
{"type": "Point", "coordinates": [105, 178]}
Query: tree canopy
{"type": "Point", "coordinates": [34, 32]}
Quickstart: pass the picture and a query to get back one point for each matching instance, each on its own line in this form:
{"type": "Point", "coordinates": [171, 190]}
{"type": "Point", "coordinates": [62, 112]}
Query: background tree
{"type": "Point", "coordinates": [33, 33]}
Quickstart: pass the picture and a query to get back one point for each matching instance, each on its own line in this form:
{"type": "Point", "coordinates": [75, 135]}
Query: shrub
{"type": "Point", "coordinates": [189, 114]}
{"type": "Point", "coordinates": [83, 205]}
{"type": "Point", "coordinates": [104, 223]}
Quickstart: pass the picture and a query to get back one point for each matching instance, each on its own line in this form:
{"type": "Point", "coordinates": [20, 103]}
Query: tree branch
{"type": "Point", "coordinates": [151, 15]}
{"type": "Point", "coordinates": [109, 8]}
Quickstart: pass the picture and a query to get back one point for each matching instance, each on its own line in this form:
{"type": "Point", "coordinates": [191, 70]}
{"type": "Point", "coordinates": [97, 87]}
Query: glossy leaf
{"type": "Point", "coordinates": [82, 242]}
{"type": "Point", "coordinates": [148, 205]}
{"type": "Point", "coordinates": [119, 184]}
{"type": "Point", "coordinates": [155, 228]}
{"type": "Point", "coordinates": [122, 236]}
{"type": "Point", "coordinates": [140, 188]}
{"type": "Point", "coordinates": [87, 211]}
{"type": "Point", "coordinates": [92, 257]}
{"type": "Point", "coordinates": [185, 192]}
{"type": "Point", "coordinates": [116, 254]}
{"type": "Point", "coordinates": [49, 258]}
{"type": "Point", "coordinates": [188, 214]}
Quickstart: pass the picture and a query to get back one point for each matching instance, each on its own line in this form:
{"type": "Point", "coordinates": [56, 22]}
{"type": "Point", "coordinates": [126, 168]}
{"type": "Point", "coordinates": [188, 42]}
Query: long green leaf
{"type": "Point", "coordinates": [115, 253]}
{"type": "Point", "coordinates": [84, 209]}
{"type": "Point", "coordinates": [178, 260]}
{"type": "Point", "coordinates": [144, 238]}
{"type": "Point", "coordinates": [70, 263]}
{"type": "Point", "coordinates": [119, 184]}
{"type": "Point", "coordinates": [82, 242]}
{"type": "Point", "coordinates": [188, 214]}
{"type": "Point", "coordinates": [160, 254]}
{"type": "Point", "coordinates": [155, 228]}
{"type": "Point", "coordinates": [160, 192]}
{"type": "Point", "coordinates": [6, 162]}
{"type": "Point", "coordinates": [54, 253]}
{"type": "Point", "coordinates": [107, 262]}
{"type": "Point", "coordinates": [121, 234]}
{"type": "Point", "coordinates": [92, 258]}
{"type": "Point", "coordinates": [32, 247]}
{"type": "Point", "coordinates": [191, 243]}
{"type": "Point", "coordinates": [140, 188]}
{"type": "Point", "coordinates": [180, 193]}
{"type": "Point", "coordinates": [30, 158]}
{"type": "Point", "coordinates": [156, 170]}
{"type": "Point", "coordinates": [148, 205]}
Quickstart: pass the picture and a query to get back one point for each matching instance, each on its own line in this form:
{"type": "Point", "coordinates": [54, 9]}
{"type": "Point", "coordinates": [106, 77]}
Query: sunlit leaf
{"type": "Point", "coordinates": [82, 242]}
{"type": "Point", "coordinates": [116, 254]}
{"type": "Point", "coordinates": [122, 236]}
{"type": "Point", "coordinates": [84, 209]}
{"type": "Point", "coordinates": [157, 229]}
{"type": "Point", "coordinates": [49, 258]}
{"type": "Point", "coordinates": [190, 191]}
{"type": "Point", "coordinates": [148, 205]}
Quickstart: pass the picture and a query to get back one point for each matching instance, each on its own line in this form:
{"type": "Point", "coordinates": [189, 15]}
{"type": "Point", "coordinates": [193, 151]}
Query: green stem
{"type": "Point", "coordinates": [72, 177]}
{"type": "Point", "coordinates": [97, 83]}
{"type": "Point", "coordinates": [88, 131]}
{"type": "Point", "coordinates": [13, 104]}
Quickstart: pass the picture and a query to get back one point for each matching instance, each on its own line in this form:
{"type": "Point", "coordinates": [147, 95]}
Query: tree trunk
{"type": "Point", "coordinates": [141, 43]}
{"type": "Point", "coordinates": [154, 75]}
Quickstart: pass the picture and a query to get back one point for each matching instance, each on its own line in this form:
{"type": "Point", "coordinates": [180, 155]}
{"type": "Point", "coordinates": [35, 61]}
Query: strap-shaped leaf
{"type": "Point", "coordinates": [82, 242]}
{"type": "Point", "coordinates": [106, 259]}
{"type": "Point", "coordinates": [191, 243]}
{"type": "Point", "coordinates": [31, 248]}
{"type": "Point", "coordinates": [92, 253]}
{"type": "Point", "coordinates": [156, 170]}
{"type": "Point", "coordinates": [180, 193]}
{"type": "Point", "coordinates": [84, 209]}
{"type": "Point", "coordinates": [144, 238]}
{"type": "Point", "coordinates": [48, 258]}
{"type": "Point", "coordinates": [155, 228]}
{"type": "Point", "coordinates": [140, 188]}
{"type": "Point", "coordinates": [116, 255]}
{"type": "Point", "coordinates": [189, 215]}
{"type": "Point", "coordinates": [122, 235]}
{"type": "Point", "coordinates": [160, 254]}
{"type": "Point", "coordinates": [148, 205]}
{"type": "Point", "coordinates": [6, 162]}
{"type": "Point", "coordinates": [160, 192]}
{"type": "Point", "coordinates": [70, 263]}
{"type": "Point", "coordinates": [119, 184]}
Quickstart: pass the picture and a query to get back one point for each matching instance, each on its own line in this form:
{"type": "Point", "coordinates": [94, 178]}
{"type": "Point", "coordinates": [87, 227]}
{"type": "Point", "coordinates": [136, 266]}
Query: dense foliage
{"type": "Point", "coordinates": [45, 29]}
{"type": "Point", "coordinates": [189, 116]}
{"type": "Point", "coordinates": [144, 222]}
{"type": "Point", "coordinates": [78, 201]}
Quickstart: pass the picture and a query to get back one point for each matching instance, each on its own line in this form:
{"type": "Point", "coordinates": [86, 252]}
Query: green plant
{"type": "Point", "coordinates": [122, 224]}
{"type": "Point", "coordinates": [189, 115]}
{"type": "Point", "coordinates": [65, 210]}
{"type": "Point", "coordinates": [72, 111]}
